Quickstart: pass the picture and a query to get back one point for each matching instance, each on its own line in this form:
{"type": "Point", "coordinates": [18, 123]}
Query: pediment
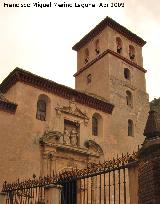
{"type": "Point", "coordinates": [50, 136]}
{"type": "Point", "coordinates": [72, 109]}
{"type": "Point", "coordinates": [93, 147]}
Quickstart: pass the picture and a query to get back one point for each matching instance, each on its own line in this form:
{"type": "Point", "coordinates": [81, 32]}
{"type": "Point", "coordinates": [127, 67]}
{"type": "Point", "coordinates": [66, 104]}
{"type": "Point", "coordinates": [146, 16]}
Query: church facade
{"type": "Point", "coordinates": [47, 127]}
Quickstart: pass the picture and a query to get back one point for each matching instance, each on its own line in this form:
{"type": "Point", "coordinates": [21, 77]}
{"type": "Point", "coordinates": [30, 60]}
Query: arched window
{"type": "Point", "coordinates": [96, 124]}
{"type": "Point", "coordinates": [43, 107]}
{"type": "Point", "coordinates": [131, 52]}
{"type": "Point", "coordinates": [129, 98]}
{"type": "Point", "coordinates": [41, 110]}
{"type": "Point", "coordinates": [119, 45]}
{"type": "Point", "coordinates": [127, 74]}
{"type": "Point", "coordinates": [130, 128]}
{"type": "Point", "coordinates": [97, 47]}
{"type": "Point", "coordinates": [86, 59]}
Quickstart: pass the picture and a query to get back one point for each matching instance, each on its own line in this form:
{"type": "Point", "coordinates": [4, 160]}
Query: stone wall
{"type": "Point", "coordinates": [21, 154]}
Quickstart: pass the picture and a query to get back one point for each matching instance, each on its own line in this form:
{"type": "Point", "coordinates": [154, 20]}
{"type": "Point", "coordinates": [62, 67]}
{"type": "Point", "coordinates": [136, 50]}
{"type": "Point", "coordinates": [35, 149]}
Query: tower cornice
{"type": "Point", "coordinates": [108, 51]}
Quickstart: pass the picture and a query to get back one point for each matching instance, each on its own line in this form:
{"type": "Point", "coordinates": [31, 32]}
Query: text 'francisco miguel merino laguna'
{"type": "Point", "coordinates": [63, 5]}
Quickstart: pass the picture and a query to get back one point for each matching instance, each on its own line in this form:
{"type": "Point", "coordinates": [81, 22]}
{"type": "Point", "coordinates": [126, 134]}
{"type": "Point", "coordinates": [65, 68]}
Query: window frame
{"type": "Point", "coordinates": [127, 74]}
{"type": "Point", "coordinates": [130, 128]}
{"type": "Point", "coordinates": [129, 98]}
{"type": "Point", "coordinates": [41, 112]}
{"type": "Point", "coordinates": [131, 53]}
{"type": "Point", "coordinates": [94, 126]}
{"type": "Point", "coordinates": [119, 46]}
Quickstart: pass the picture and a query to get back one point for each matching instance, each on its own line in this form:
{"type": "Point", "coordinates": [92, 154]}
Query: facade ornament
{"type": "Point", "coordinates": [58, 110]}
{"type": "Point", "coordinates": [74, 137]}
{"type": "Point", "coordinates": [93, 146]}
{"type": "Point", "coordinates": [50, 155]}
{"type": "Point", "coordinates": [70, 137]}
{"type": "Point", "coordinates": [50, 135]}
{"type": "Point", "coordinates": [66, 138]}
{"type": "Point", "coordinates": [86, 121]}
{"type": "Point", "coordinates": [72, 109]}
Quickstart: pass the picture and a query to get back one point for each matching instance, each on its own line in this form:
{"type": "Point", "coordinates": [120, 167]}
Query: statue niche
{"type": "Point", "coordinates": [71, 133]}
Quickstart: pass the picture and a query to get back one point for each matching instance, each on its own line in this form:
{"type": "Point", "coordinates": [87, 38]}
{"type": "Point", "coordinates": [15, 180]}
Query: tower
{"type": "Point", "coordinates": [110, 66]}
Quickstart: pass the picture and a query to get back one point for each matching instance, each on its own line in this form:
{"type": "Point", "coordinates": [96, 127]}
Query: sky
{"type": "Point", "coordinates": [40, 40]}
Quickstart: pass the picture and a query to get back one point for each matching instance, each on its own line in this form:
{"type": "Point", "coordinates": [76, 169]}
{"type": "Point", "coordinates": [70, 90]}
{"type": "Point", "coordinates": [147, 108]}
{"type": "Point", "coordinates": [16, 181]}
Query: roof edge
{"type": "Point", "coordinates": [50, 86]}
{"type": "Point", "coordinates": [8, 107]}
{"type": "Point", "coordinates": [114, 25]}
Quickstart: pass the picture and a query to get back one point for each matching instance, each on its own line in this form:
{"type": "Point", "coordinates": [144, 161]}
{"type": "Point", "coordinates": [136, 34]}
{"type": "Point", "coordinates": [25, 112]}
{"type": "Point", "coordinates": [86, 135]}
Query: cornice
{"type": "Point", "coordinates": [8, 107]}
{"type": "Point", "coordinates": [49, 86]}
{"type": "Point", "coordinates": [108, 51]}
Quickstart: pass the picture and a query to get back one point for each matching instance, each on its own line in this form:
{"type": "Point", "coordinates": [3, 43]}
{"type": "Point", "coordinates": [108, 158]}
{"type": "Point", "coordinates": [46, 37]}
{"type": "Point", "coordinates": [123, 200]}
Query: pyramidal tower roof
{"type": "Point", "coordinates": [108, 22]}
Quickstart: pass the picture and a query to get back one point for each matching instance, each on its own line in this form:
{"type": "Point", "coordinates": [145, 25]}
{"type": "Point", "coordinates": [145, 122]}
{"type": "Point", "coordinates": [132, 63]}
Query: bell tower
{"type": "Point", "coordinates": [110, 66]}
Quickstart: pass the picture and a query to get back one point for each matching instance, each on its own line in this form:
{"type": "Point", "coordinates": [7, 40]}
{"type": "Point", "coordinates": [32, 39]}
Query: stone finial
{"type": "Point", "coordinates": [152, 128]}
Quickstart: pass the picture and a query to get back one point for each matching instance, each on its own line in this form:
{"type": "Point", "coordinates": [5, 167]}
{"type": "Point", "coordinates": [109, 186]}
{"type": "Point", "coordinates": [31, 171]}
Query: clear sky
{"type": "Point", "coordinates": [40, 40]}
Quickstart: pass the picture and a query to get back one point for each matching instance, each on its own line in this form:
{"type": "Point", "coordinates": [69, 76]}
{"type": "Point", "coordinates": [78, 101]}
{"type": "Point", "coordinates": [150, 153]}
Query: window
{"type": "Point", "coordinates": [126, 73]}
{"type": "Point", "coordinates": [86, 55]}
{"type": "Point", "coordinates": [131, 52]}
{"type": "Point", "coordinates": [119, 45]}
{"type": "Point", "coordinates": [129, 98]}
{"type": "Point", "coordinates": [41, 110]}
{"type": "Point", "coordinates": [89, 78]}
{"type": "Point", "coordinates": [97, 124]}
{"type": "Point", "coordinates": [130, 127]}
{"type": "Point", "coordinates": [43, 107]}
{"type": "Point", "coordinates": [97, 47]}
{"type": "Point", "coordinates": [94, 126]}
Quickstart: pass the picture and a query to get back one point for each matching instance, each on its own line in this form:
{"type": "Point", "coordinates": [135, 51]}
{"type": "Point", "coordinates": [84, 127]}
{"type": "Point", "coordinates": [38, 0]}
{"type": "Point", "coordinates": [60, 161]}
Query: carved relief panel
{"type": "Point", "coordinates": [71, 133]}
{"type": "Point", "coordinates": [71, 119]}
{"type": "Point", "coordinates": [72, 110]}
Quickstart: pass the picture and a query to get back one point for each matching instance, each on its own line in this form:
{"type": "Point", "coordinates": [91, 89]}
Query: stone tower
{"type": "Point", "coordinates": [110, 66]}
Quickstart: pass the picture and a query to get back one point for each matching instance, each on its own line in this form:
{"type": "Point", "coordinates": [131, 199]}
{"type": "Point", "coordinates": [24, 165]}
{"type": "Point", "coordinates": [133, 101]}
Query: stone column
{"type": "Point", "coordinates": [53, 194]}
{"type": "Point", "coordinates": [149, 162]}
{"type": "Point", "coordinates": [133, 183]}
{"type": "Point", "coordinates": [3, 198]}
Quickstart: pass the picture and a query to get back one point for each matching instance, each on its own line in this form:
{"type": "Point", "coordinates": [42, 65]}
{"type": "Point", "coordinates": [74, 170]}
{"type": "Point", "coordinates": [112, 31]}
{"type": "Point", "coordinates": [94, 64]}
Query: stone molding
{"type": "Point", "coordinates": [108, 51]}
{"type": "Point", "coordinates": [50, 135]}
{"type": "Point", "coordinates": [91, 144]}
{"type": "Point", "coordinates": [73, 110]}
{"type": "Point", "coordinates": [53, 144]}
{"type": "Point", "coordinates": [70, 149]}
{"type": "Point", "coordinates": [7, 105]}
{"type": "Point", "coordinates": [52, 87]}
